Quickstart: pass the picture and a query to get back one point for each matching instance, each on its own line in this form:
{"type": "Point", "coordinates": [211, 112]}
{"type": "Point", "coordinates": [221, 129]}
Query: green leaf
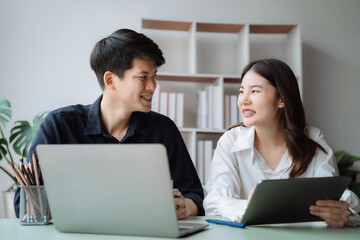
{"type": "Point", "coordinates": [339, 155]}
{"type": "Point", "coordinates": [22, 134]}
{"type": "Point", "coordinates": [344, 162]}
{"type": "Point", "coordinates": [3, 144]}
{"type": "Point", "coordinates": [5, 112]}
{"type": "Point", "coordinates": [38, 119]}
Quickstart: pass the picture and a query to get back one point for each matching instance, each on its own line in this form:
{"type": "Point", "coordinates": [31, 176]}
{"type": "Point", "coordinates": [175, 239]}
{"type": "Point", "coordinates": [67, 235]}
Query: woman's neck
{"type": "Point", "coordinates": [269, 136]}
{"type": "Point", "coordinates": [270, 143]}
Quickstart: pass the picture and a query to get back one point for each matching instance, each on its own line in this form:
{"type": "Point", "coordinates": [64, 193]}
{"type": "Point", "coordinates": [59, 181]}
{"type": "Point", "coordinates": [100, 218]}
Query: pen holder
{"type": "Point", "coordinates": [34, 207]}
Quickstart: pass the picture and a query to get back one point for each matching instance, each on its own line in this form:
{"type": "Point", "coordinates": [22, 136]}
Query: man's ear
{"type": "Point", "coordinates": [281, 103]}
{"type": "Point", "coordinates": [109, 80]}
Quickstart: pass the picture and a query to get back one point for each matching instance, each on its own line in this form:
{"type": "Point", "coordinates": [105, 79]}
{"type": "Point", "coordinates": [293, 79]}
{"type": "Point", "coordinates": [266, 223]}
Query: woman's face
{"type": "Point", "coordinates": [258, 101]}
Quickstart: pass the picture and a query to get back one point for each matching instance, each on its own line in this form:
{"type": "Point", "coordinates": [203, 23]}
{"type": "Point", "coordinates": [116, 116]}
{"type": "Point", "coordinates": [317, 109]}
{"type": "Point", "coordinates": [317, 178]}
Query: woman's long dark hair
{"type": "Point", "coordinates": [300, 147]}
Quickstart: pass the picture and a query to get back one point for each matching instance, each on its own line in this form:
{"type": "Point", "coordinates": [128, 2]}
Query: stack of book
{"type": "Point", "coordinates": [169, 104]}
{"type": "Point", "coordinates": [232, 112]}
{"type": "Point", "coordinates": [204, 156]}
{"type": "Point", "coordinates": [209, 115]}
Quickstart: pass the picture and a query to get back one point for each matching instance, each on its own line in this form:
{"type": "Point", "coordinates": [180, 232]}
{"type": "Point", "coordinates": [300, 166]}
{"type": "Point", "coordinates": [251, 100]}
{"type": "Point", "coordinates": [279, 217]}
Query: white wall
{"type": "Point", "coordinates": [45, 47]}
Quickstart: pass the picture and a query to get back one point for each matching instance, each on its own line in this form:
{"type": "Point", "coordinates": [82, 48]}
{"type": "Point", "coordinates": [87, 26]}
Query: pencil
{"type": "Point", "coordinates": [21, 163]}
{"type": "Point", "coordinates": [29, 175]}
{"type": "Point", "coordinates": [16, 175]}
{"type": "Point", "coordinates": [21, 174]}
{"type": "Point", "coordinates": [30, 167]}
{"type": "Point", "coordinates": [36, 170]}
{"type": "Point", "coordinates": [24, 171]}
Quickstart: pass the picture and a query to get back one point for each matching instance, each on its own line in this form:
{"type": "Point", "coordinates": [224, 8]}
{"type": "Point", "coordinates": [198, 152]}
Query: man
{"type": "Point", "coordinates": [125, 64]}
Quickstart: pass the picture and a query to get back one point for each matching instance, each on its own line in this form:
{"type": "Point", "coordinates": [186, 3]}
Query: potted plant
{"type": "Point", "coordinates": [345, 162]}
{"type": "Point", "coordinates": [21, 136]}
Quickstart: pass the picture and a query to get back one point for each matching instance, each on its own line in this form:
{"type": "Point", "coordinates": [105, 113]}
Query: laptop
{"type": "Point", "coordinates": [288, 200]}
{"type": "Point", "coordinates": [120, 189]}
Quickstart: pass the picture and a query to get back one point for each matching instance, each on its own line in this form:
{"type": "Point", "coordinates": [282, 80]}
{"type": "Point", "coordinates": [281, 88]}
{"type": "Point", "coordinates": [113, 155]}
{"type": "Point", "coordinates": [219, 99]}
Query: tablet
{"type": "Point", "coordinates": [288, 200]}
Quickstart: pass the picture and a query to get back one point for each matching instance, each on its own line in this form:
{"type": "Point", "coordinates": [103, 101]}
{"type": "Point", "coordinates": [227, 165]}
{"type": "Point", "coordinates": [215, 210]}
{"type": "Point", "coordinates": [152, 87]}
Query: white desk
{"type": "Point", "coordinates": [10, 229]}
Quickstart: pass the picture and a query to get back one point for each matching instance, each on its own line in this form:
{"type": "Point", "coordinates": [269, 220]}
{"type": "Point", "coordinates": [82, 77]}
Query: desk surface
{"type": "Point", "coordinates": [10, 229]}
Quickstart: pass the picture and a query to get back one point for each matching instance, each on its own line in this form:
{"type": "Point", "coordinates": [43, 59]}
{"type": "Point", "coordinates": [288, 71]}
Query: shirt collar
{"type": "Point", "coordinates": [138, 123]}
{"type": "Point", "coordinates": [94, 124]}
{"type": "Point", "coordinates": [245, 139]}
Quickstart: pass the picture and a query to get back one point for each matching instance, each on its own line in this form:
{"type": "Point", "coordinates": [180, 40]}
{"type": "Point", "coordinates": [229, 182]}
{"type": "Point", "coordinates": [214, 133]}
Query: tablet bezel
{"type": "Point", "coordinates": [288, 200]}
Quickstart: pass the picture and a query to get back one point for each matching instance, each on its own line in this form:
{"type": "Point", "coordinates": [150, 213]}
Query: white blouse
{"type": "Point", "coordinates": [237, 167]}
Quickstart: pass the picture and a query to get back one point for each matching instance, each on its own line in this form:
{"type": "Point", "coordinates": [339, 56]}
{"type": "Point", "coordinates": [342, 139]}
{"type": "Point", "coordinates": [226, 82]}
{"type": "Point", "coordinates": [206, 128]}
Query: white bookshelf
{"type": "Point", "coordinates": [199, 55]}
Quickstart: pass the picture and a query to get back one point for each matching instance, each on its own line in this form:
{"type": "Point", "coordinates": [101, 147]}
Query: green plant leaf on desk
{"type": "Point", "coordinates": [341, 153]}
{"type": "Point", "coordinates": [3, 144]}
{"type": "Point", "coordinates": [5, 117]}
{"type": "Point", "coordinates": [23, 133]}
{"type": "Point", "coordinates": [344, 159]}
{"type": "Point", "coordinates": [5, 112]}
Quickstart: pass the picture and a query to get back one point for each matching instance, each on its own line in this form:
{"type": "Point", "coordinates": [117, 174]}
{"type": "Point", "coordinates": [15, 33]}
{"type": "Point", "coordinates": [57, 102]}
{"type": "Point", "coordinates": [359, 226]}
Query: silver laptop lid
{"type": "Point", "coordinates": [109, 188]}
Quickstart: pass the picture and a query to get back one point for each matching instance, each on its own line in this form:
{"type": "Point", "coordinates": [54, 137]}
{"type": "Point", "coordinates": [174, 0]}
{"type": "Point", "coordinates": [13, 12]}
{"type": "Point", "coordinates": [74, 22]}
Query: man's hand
{"type": "Point", "coordinates": [335, 213]}
{"type": "Point", "coordinates": [185, 207]}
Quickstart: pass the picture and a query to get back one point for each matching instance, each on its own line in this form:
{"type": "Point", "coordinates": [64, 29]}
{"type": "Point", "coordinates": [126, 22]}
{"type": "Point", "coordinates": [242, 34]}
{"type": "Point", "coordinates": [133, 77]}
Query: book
{"type": "Point", "coordinates": [179, 116]}
{"type": "Point", "coordinates": [171, 106]}
{"type": "Point", "coordinates": [164, 103]}
{"type": "Point", "coordinates": [208, 153]}
{"type": "Point", "coordinates": [217, 114]}
{"type": "Point", "coordinates": [233, 110]}
{"type": "Point", "coordinates": [155, 101]}
{"type": "Point", "coordinates": [198, 109]}
{"type": "Point", "coordinates": [202, 109]}
{"type": "Point", "coordinates": [200, 160]}
{"type": "Point", "coordinates": [227, 111]}
{"type": "Point", "coordinates": [209, 106]}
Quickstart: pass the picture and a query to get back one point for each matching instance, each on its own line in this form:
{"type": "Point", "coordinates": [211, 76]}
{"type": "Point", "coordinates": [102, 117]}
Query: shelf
{"type": "Point", "coordinates": [202, 131]}
{"type": "Point", "coordinates": [166, 25]}
{"type": "Point", "coordinates": [222, 52]}
{"type": "Point", "coordinates": [219, 28]}
{"type": "Point", "coordinates": [274, 29]}
{"type": "Point", "coordinates": [186, 77]}
{"type": "Point", "coordinates": [210, 57]}
{"type": "Point", "coordinates": [232, 80]}
{"type": "Point", "coordinates": [168, 34]}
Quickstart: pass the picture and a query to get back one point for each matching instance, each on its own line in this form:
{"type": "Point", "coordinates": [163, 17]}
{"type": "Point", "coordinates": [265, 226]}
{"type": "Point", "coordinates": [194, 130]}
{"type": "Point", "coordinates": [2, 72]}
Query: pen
{"type": "Point", "coordinates": [228, 223]}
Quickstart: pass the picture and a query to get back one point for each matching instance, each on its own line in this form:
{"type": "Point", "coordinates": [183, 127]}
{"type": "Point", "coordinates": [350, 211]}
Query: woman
{"type": "Point", "coordinates": [272, 142]}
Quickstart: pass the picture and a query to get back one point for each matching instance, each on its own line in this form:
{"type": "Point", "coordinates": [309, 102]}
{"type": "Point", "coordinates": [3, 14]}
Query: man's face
{"type": "Point", "coordinates": [133, 92]}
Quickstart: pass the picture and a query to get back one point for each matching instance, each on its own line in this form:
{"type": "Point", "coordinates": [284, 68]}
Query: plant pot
{"type": "Point", "coordinates": [8, 199]}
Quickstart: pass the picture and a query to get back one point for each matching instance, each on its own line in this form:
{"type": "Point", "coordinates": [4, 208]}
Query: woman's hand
{"type": "Point", "coordinates": [335, 213]}
{"type": "Point", "coordinates": [251, 193]}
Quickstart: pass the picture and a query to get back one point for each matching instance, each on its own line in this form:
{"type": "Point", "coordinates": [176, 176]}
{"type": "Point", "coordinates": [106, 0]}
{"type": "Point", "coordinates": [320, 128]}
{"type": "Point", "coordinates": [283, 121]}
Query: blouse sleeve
{"type": "Point", "coordinates": [223, 185]}
{"type": "Point", "coordinates": [328, 167]}
{"type": "Point", "coordinates": [324, 162]}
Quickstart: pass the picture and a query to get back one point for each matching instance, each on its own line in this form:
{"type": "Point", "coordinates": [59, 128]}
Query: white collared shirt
{"type": "Point", "coordinates": [237, 167]}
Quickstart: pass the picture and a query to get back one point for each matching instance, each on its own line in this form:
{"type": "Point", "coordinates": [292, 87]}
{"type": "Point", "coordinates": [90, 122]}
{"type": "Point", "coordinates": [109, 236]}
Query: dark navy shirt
{"type": "Point", "coordinates": [79, 124]}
